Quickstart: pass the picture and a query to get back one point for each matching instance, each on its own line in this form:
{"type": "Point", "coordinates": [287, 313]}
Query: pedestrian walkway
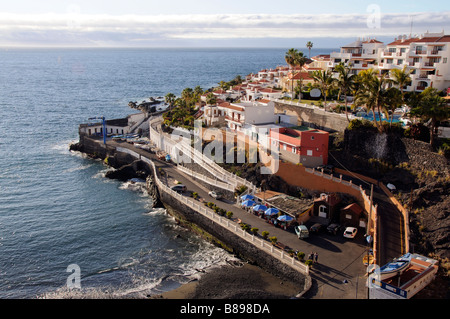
{"type": "Point", "coordinates": [340, 272]}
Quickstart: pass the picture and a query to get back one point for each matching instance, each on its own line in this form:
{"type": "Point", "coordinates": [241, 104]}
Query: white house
{"type": "Point", "coordinates": [239, 114]}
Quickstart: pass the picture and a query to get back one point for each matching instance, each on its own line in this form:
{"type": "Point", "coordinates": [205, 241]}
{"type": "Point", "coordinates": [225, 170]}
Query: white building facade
{"type": "Point", "coordinates": [426, 57]}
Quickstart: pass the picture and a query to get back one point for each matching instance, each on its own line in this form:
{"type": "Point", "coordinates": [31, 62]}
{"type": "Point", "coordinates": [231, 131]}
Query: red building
{"type": "Point", "coordinates": [301, 145]}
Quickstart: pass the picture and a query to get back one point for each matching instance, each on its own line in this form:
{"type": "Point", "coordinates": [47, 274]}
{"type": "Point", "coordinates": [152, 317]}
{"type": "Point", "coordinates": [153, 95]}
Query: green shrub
{"type": "Point", "coordinates": [309, 262]}
{"type": "Point", "coordinates": [273, 239]}
{"type": "Point", "coordinates": [357, 124]}
{"type": "Point", "coordinates": [265, 234]}
{"type": "Point", "coordinates": [300, 255]}
{"type": "Point", "coordinates": [229, 214]}
{"type": "Point", "coordinates": [245, 226]}
{"type": "Point", "coordinates": [254, 230]}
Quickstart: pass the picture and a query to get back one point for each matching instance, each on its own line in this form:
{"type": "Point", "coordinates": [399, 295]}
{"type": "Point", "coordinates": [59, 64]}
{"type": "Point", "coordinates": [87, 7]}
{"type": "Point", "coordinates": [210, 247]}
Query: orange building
{"type": "Point", "coordinates": [301, 145]}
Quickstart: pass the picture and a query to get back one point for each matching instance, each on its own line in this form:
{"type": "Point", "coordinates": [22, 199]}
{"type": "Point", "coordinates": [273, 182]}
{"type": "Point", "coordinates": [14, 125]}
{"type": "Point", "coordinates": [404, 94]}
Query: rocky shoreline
{"type": "Point", "coordinates": [231, 282]}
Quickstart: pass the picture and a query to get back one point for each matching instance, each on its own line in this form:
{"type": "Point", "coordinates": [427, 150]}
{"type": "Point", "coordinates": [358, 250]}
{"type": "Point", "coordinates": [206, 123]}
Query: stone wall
{"type": "Point", "coordinates": [314, 117]}
{"type": "Point", "coordinates": [221, 236]}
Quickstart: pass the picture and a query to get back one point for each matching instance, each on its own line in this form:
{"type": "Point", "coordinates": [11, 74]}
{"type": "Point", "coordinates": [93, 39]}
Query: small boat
{"type": "Point", "coordinates": [394, 267]}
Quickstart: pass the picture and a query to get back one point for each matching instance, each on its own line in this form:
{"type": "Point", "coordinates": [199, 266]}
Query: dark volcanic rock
{"type": "Point", "coordinates": [127, 172]}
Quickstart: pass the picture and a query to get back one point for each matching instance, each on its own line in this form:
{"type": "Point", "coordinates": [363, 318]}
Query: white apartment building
{"type": "Point", "coordinates": [359, 55]}
{"type": "Point", "coordinates": [425, 56]}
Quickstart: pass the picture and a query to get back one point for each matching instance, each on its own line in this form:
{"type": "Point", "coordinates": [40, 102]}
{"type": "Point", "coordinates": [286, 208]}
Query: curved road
{"type": "Point", "coordinates": [339, 274]}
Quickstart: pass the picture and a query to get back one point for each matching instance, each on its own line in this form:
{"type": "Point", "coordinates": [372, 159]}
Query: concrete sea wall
{"type": "Point", "coordinates": [217, 229]}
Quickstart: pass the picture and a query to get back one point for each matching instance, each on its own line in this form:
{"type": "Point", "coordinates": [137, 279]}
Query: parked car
{"type": "Point", "coordinates": [179, 188]}
{"type": "Point", "coordinates": [216, 195]}
{"type": "Point", "coordinates": [350, 232]}
{"type": "Point", "coordinates": [333, 228]}
{"type": "Point", "coordinates": [301, 231]}
{"type": "Point", "coordinates": [316, 228]}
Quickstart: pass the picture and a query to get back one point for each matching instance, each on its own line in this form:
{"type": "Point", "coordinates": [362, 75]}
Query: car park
{"type": "Point", "coordinates": [179, 188]}
{"type": "Point", "coordinates": [350, 232]}
{"type": "Point", "coordinates": [216, 195]}
{"type": "Point", "coordinates": [333, 228]}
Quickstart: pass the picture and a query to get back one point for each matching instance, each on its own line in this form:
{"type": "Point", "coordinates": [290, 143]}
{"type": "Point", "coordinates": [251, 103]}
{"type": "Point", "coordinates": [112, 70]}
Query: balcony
{"type": "Point", "coordinates": [420, 88]}
{"type": "Point", "coordinates": [418, 52]}
{"type": "Point", "coordinates": [430, 64]}
{"type": "Point", "coordinates": [234, 119]}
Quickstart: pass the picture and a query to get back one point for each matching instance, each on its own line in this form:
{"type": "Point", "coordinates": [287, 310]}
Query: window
{"type": "Point", "coordinates": [444, 60]}
{"type": "Point", "coordinates": [284, 147]}
{"type": "Point", "coordinates": [312, 138]}
{"type": "Point", "coordinates": [294, 150]}
{"type": "Point", "coordinates": [309, 153]}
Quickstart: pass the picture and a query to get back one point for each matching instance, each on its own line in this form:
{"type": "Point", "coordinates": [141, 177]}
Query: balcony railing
{"type": "Point", "coordinates": [429, 63]}
{"type": "Point", "coordinates": [235, 119]}
{"type": "Point", "coordinates": [421, 52]}
{"type": "Point", "coordinates": [421, 88]}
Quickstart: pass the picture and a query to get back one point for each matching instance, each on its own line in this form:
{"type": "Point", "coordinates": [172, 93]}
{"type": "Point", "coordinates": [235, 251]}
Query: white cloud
{"type": "Point", "coordinates": [84, 28]}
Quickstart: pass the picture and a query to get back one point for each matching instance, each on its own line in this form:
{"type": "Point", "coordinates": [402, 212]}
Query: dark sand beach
{"type": "Point", "coordinates": [231, 282]}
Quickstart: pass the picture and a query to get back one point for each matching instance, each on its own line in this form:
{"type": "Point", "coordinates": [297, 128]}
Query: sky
{"type": "Point", "coordinates": [212, 23]}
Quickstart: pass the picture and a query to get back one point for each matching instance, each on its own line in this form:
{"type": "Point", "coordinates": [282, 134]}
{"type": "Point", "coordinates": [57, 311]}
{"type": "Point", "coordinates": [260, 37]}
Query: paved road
{"type": "Point", "coordinates": [339, 259]}
{"type": "Point", "coordinates": [390, 223]}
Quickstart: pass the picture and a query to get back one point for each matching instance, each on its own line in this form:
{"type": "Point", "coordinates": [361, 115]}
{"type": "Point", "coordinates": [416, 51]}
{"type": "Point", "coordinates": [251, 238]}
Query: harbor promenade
{"type": "Point", "coordinates": [339, 273]}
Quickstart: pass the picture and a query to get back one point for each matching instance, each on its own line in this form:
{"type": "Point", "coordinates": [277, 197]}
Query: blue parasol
{"type": "Point", "coordinates": [247, 197]}
{"type": "Point", "coordinates": [248, 203]}
{"type": "Point", "coordinates": [285, 218]}
{"type": "Point", "coordinates": [271, 211]}
{"type": "Point", "coordinates": [259, 207]}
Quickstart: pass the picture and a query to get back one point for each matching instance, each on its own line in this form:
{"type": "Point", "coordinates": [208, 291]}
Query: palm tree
{"type": "Point", "coordinates": [345, 83]}
{"type": "Point", "coordinates": [325, 80]}
{"type": "Point", "coordinates": [401, 78]}
{"type": "Point", "coordinates": [211, 99]}
{"type": "Point", "coordinates": [198, 91]}
{"type": "Point", "coordinates": [393, 100]}
{"type": "Point", "coordinates": [294, 58]}
{"type": "Point", "coordinates": [188, 96]}
{"type": "Point", "coordinates": [433, 109]}
{"type": "Point", "coordinates": [170, 99]}
{"type": "Point", "coordinates": [309, 45]}
{"type": "Point", "coordinates": [373, 92]}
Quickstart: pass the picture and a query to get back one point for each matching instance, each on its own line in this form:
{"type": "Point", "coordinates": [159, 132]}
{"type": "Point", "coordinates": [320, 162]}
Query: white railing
{"type": "Point", "coordinates": [213, 182]}
{"type": "Point", "coordinates": [224, 222]}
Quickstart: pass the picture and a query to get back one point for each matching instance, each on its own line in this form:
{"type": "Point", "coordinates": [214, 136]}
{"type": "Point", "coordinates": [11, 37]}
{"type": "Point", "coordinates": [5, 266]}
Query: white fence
{"type": "Point", "coordinates": [210, 181]}
{"type": "Point", "coordinates": [224, 222]}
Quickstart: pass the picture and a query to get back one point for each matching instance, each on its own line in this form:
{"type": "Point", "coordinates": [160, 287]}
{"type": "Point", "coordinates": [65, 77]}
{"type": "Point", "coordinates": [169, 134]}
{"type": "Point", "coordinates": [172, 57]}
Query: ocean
{"type": "Point", "coordinates": [57, 209]}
